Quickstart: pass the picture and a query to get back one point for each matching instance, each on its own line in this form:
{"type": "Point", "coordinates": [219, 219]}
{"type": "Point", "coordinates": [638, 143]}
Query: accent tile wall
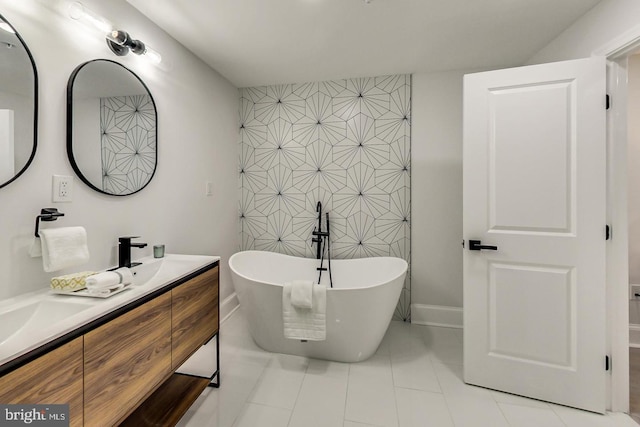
{"type": "Point", "coordinates": [345, 143]}
{"type": "Point", "coordinates": [127, 131]}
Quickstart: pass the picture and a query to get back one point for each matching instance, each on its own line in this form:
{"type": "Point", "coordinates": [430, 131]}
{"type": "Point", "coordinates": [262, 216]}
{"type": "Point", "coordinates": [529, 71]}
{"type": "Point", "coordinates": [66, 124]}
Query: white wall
{"type": "Point", "coordinates": [606, 21]}
{"type": "Point", "coordinates": [197, 139]}
{"type": "Point", "coordinates": [436, 189]}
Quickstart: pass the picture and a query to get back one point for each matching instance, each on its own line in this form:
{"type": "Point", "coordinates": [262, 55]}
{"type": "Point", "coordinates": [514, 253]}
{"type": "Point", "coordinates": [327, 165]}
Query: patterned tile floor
{"type": "Point", "coordinates": [414, 379]}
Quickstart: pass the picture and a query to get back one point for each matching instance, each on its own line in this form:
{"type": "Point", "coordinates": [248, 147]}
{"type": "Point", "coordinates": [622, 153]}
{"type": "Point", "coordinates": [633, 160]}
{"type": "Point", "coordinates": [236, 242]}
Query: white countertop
{"type": "Point", "coordinates": [34, 329]}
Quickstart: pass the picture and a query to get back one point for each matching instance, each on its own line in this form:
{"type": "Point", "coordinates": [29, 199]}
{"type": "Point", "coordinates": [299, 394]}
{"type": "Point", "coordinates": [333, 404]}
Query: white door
{"type": "Point", "coordinates": [534, 187]}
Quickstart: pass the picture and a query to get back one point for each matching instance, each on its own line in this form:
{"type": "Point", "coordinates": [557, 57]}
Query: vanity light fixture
{"type": "Point", "coordinates": [120, 42]}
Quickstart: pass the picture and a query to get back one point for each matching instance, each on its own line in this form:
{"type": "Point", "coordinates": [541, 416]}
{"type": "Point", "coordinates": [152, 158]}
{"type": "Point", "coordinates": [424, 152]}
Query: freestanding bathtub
{"type": "Point", "coordinates": [359, 306]}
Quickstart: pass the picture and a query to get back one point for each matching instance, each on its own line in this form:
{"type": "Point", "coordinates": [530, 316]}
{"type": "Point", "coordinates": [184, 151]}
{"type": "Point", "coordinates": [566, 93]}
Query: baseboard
{"type": "Point", "coordinates": [229, 306]}
{"type": "Point", "coordinates": [436, 315]}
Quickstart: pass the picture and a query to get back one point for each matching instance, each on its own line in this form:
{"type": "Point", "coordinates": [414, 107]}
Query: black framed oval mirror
{"type": "Point", "coordinates": [18, 104]}
{"type": "Point", "coordinates": [111, 128]}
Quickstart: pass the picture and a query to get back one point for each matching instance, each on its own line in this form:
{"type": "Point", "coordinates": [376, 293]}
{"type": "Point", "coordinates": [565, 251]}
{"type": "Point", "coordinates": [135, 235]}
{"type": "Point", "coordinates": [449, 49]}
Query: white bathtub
{"type": "Point", "coordinates": [359, 306]}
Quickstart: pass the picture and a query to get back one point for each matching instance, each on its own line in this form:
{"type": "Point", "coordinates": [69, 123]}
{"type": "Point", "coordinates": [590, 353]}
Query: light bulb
{"type": "Point", "coordinates": [78, 11]}
{"type": "Point", "coordinates": [153, 55]}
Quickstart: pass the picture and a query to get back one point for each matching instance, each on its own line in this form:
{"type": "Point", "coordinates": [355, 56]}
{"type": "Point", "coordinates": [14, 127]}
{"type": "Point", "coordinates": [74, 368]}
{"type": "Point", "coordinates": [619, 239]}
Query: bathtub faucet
{"type": "Point", "coordinates": [318, 233]}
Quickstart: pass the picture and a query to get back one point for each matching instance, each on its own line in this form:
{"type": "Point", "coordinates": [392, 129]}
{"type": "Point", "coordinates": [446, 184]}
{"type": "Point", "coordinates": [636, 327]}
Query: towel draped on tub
{"type": "Point", "coordinates": [302, 293]}
{"type": "Point", "coordinates": [305, 323]}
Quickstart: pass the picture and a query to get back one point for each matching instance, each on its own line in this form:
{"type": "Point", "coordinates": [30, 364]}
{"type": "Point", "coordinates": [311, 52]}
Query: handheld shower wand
{"type": "Point", "coordinates": [329, 250]}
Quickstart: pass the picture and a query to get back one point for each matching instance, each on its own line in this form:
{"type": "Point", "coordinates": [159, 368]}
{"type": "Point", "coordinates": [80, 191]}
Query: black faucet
{"type": "Point", "coordinates": [124, 251]}
{"type": "Point", "coordinates": [318, 232]}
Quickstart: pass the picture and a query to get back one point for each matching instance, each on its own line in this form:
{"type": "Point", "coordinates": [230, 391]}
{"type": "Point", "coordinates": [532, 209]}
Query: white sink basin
{"type": "Point", "coordinates": [144, 272]}
{"type": "Point", "coordinates": [36, 316]}
{"type": "Point", "coordinates": [155, 270]}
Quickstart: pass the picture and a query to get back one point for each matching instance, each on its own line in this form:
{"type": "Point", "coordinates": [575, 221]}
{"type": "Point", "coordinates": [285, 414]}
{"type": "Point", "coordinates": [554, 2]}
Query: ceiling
{"type": "Point", "coordinates": [263, 42]}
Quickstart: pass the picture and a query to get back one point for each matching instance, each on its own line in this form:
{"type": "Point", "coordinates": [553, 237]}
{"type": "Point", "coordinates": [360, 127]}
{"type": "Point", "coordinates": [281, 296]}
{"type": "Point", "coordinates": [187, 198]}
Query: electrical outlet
{"type": "Point", "coordinates": [62, 188]}
{"type": "Point", "coordinates": [635, 290]}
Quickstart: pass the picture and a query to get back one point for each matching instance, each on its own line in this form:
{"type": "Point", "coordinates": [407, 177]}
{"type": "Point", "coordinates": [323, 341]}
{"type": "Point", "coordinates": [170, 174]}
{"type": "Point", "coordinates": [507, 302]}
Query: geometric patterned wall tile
{"type": "Point", "coordinates": [128, 140]}
{"type": "Point", "coordinates": [346, 143]}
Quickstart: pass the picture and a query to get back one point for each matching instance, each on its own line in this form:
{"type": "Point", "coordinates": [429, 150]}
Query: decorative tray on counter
{"type": "Point", "coordinates": [84, 292]}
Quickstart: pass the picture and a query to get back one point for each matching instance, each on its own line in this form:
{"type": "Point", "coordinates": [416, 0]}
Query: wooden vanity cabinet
{"type": "Point", "coordinates": [54, 378]}
{"type": "Point", "coordinates": [125, 360]}
{"type": "Point", "coordinates": [194, 315]}
{"type": "Point", "coordinates": [120, 369]}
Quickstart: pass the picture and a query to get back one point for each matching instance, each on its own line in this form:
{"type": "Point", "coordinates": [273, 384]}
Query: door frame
{"type": "Point", "coordinates": [616, 52]}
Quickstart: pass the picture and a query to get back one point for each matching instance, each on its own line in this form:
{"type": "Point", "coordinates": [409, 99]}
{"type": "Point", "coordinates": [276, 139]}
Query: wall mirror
{"type": "Point", "coordinates": [111, 128]}
{"type": "Point", "coordinates": [18, 104]}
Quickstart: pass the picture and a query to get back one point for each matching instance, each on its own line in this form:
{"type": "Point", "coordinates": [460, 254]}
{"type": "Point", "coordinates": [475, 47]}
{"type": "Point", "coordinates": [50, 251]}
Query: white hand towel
{"type": "Point", "coordinates": [35, 250]}
{"type": "Point", "coordinates": [302, 293]}
{"type": "Point", "coordinates": [109, 279]}
{"type": "Point", "coordinates": [304, 323]}
{"type": "Point", "coordinates": [63, 247]}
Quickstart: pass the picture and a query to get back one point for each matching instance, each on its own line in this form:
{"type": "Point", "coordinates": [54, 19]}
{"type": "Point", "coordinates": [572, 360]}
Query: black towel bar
{"type": "Point", "coordinates": [47, 214]}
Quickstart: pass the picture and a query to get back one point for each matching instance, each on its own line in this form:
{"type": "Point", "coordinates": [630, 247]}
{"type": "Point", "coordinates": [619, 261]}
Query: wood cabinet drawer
{"type": "Point", "coordinates": [194, 313]}
{"type": "Point", "coordinates": [124, 361]}
{"type": "Point", "coordinates": [54, 378]}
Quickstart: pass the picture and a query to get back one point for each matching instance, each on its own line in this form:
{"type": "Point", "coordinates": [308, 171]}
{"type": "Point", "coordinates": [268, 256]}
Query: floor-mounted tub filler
{"type": "Point", "coordinates": [358, 311]}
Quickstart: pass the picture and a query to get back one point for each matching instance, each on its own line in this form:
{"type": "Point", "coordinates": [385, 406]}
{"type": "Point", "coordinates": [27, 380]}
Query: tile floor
{"type": "Point", "coordinates": [414, 379]}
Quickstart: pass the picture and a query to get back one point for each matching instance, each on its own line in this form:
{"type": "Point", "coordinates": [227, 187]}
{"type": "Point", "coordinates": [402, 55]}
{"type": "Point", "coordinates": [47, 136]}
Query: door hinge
{"type": "Point", "coordinates": [607, 233]}
{"type": "Point", "coordinates": [607, 363]}
{"type": "Point", "coordinates": [608, 101]}
{"type": "Point", "coordinates": [463, 244]}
